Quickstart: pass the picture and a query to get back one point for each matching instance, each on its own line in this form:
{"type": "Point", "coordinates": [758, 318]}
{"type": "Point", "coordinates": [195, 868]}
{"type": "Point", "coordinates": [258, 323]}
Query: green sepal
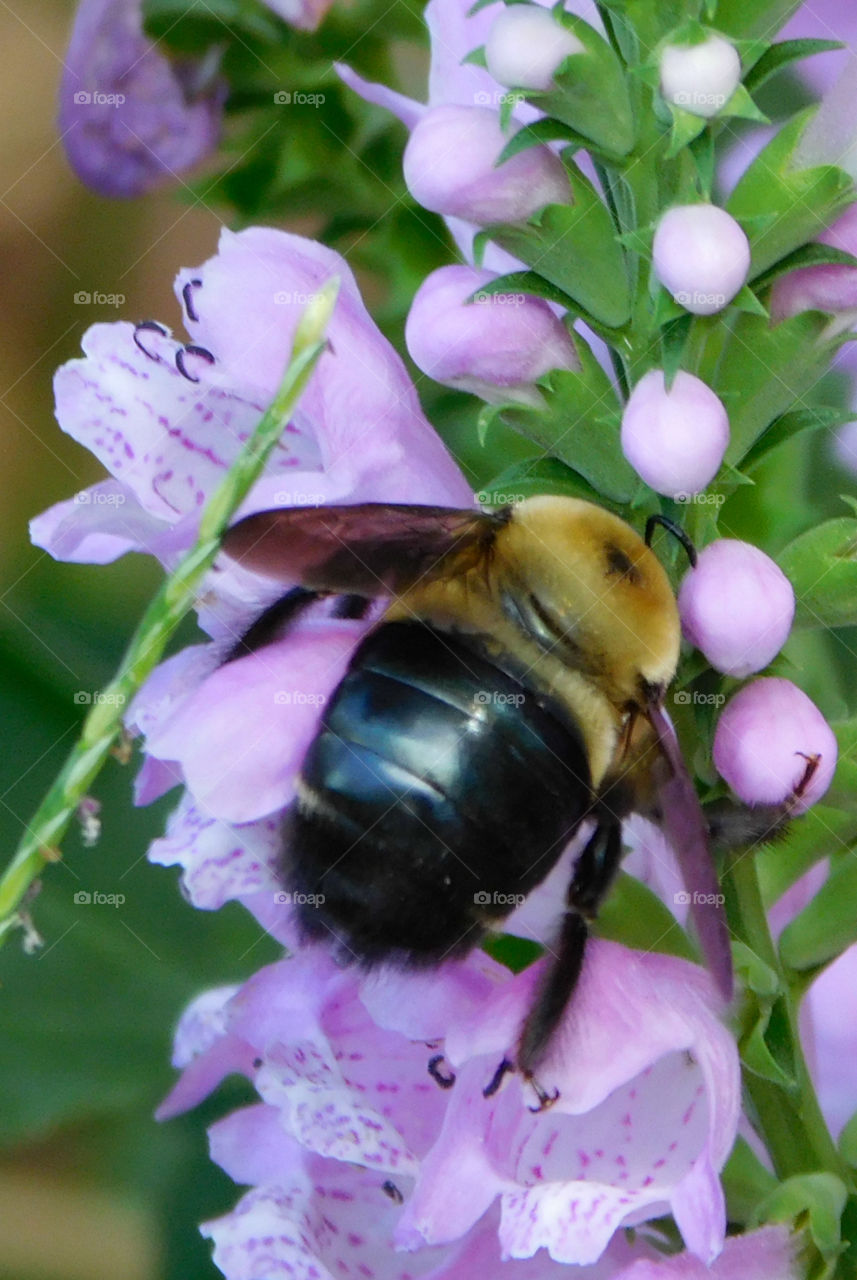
{"type": "Point", "coordinates": [591, 92]}
{"type": "Point", "coordinates": [818, 1197]}
{"type": "Point", "coordinates": [742, 107]}
{"type": "Point", "coordinates": [801, 202]}
{"type": "Point", "coordinates": [783, 54]}
{"type": "Point", "coordinates": [755, 974]}
{"type": "Point", "coordinates": [579, 424]}
{"type": "Point", "coordinates": [745, 300]}
{"type": "Point", "coordinates": [526, 282]}
{"type": "Point", "coordinates": [574, 246]}
{"type": "Point", "coordinates": [674, 336]}
{"type": "Point", "coordinates": [821, 565]}
{"type": "Point", "coordinates": [757, 1056]}
{"type": "Point", "coordinates": [515, 953]}
{"type": "Point", "coordinates": [848, 1142]}
{"type": "Point", "coordinates": [686, 127]}
{"type": "Point", "coordinates": [635, 916]}
{"type": "Point", "coordinates": [508, 103]}
{"type": "Point", "coordinates": [476, 57]}
{"type": "Point", "coordinates": [538, 133]}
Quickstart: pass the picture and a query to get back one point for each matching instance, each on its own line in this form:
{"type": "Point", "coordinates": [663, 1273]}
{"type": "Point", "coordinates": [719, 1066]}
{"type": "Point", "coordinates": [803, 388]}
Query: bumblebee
{"type": "Point", "coordinates": [512, 688]}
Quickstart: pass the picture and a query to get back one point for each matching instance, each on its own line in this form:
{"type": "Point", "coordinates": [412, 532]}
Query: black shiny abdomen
{"type": "Point", "coordinates": [438, 790]}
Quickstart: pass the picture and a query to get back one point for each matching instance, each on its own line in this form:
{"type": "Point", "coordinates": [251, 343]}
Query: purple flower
{"type": "Point", "coordinates": [702, 256]}
{"type": "Point", "coordinates": [737, 606]}
{"type": "Point", "coordinates": [526, 45]}
{"type": "Point", "coordinates": [770, 1253]}
{"type": "Point", "coordinates": [674, 439]}
{"type": "Point", "coordinates": [700, 78]}
{"type": "Point", "coordinates": [131, 117]}
{"type": "Point", "coordinates": [340, 1066]}
{"type": "Point", "coordinates": [827, 288]}
{"type": "Point", "coordinates": [496, 346]}
{"type": "Point", "coordinates": [450, 166]}
{"type": "Point", "coordinates": [773, 745]}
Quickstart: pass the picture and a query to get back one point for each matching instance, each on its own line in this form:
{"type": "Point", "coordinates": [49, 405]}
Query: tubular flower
{"type": "Point", "coordinates": [737, 606]}
{"type": "Point", "coordinates": [771, 739]}
{"type": "Point", "coordinates": [495, 346]}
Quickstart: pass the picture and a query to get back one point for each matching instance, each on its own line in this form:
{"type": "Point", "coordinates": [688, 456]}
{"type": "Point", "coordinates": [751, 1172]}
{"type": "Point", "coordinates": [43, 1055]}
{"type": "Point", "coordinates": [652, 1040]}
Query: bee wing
{"type": "Point", "coordinates": [371, 549]}
{"type": "Point", "coordinates": [687, 831]}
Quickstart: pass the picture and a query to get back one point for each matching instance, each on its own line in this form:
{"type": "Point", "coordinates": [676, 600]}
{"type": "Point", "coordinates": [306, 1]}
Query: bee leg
{"type": "Point", "coordinates": [275, 620]}
{"type": "Point", "coordinates": [733, 825]}
{"type": "Point", "coordinates": [593, 875]}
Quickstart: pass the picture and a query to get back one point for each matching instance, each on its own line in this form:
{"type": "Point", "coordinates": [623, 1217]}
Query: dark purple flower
{"type": "Point", "coordinates": [130, 116]}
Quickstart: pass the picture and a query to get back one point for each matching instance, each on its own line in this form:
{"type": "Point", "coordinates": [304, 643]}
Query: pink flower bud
{"type": "Point", "coordinates": [526, 45]}
{"type": "Point", "coordinates": [674, 439]}
{"type": "Point", "coordinates": [737, 606]}
{"type": "Point", "coordinates": [765, 739]}
{"type": "Point", "coordinates": [495, 347]}
{"type": "Point", "coordinates": [449, 166]}
{"type": "Point", "coordinates": [700, 78]}
{"type": "Point", "coordinates": [702, 256]}
{"type": "Point", "coordinates": [826, 288]}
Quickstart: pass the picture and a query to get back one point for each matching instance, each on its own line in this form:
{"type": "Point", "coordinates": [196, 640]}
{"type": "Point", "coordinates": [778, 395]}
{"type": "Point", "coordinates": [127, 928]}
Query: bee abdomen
{"type": "Point", "coordinates": [437, 793]}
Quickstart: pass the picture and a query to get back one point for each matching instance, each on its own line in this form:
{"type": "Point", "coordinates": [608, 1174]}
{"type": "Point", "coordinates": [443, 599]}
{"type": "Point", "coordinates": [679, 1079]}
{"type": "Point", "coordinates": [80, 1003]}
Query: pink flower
{"type": "Point", "coordinates": [829, 288]}
{"type": "Point", "coordinates": [766, 738]}
{"type": "Point", "coordinates": [768, 1254]}
{"type": "Point", "coordinates": [674, 439]}
{"type": "Point", "coordinates": [702, 256]}
{"type": "Point", "coordinates": [737, 606]}
{"type": "Point", "coordinates": [340, 1064]}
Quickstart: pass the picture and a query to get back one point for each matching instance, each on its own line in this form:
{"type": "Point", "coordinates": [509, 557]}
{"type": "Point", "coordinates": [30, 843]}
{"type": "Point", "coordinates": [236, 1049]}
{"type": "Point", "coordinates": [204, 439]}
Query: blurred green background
{"type": "Point", "coordinates": [90, 1186]}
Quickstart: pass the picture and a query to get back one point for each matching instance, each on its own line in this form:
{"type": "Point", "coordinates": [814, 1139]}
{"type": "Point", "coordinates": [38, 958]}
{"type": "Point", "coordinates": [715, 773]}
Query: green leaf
{"type": "Point", "coordinates": [763, 371]}
{"type": "Point", "coordinates": [754, 18]}
{"type": "Point", "coordinates": [673, 342]}
{"type": "Point", "coordinates": [828, 924]}
{"type": "Point", "coordinates": [530, 479]}
{"type": "Point", "coordinates": [758, 1053]}
{"type": "Point", "coordinates": [820, 1196]}
{"type": "Point", "coordinates": [591, 91]}
{"type": "Point", "coordinates": [575, 248]}
{"type": "Point", "coordinates": [579, 424]}
{"type": "Point", "coordinates": [821, 565]}
{"type": "Point", "coordinates": [789, 425]}
{"type": "Point", "coordinates": [755, 974]}
{"type": "Point", "coordinates": [636, 917]}
{"type": "Point", "coordinates": [800, 202]}
{"type": "Point", "coordinates": [746, 1182]}
{"type": "Point", "coordinates": [538, 133]}
{"type": "Point", "coordinates": [848, 1142]}
{"type": "Point", "coordinates": [813, 254]}
{"type": "Point", "coordinates": [529, 282]}
{"type": "Point", "coordinates": [783, 55]}
{"type": "Point", "coordinates": [742, 107]}
{"type": "Point", "coordinates": [685, 128]}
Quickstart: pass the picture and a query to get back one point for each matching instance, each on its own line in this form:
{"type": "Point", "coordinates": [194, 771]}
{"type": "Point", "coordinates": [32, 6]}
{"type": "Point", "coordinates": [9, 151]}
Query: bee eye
{"type": "Point", "coordinates": [619, 564]}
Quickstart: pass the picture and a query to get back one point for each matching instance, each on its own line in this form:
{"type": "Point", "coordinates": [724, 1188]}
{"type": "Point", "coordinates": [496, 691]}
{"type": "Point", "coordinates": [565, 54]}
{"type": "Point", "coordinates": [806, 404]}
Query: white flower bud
{"type": "Point", "coordinates": [526, 45]}
{"type": "Point", "coordinates": [700, 78]}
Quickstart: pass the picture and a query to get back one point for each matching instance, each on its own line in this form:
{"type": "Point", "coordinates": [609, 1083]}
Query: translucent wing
{"type": "Point", "coordinates": [370, 549]}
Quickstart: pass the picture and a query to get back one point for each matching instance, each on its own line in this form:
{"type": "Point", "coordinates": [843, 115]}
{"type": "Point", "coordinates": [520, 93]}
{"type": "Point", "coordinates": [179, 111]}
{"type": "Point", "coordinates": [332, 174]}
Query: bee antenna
{"type": "Point", "coordinates": [676, 531]}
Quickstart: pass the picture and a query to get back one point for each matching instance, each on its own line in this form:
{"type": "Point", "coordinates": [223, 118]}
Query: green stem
{"type": "Point", "coordinates": [791, 1122]}
{"type": "Point", "coordinates": [173, 601]}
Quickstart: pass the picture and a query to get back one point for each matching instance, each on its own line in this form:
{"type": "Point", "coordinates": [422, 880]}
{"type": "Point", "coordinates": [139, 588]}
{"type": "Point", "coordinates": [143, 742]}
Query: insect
{"type": "Point", "coordinates": [512, 688]}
